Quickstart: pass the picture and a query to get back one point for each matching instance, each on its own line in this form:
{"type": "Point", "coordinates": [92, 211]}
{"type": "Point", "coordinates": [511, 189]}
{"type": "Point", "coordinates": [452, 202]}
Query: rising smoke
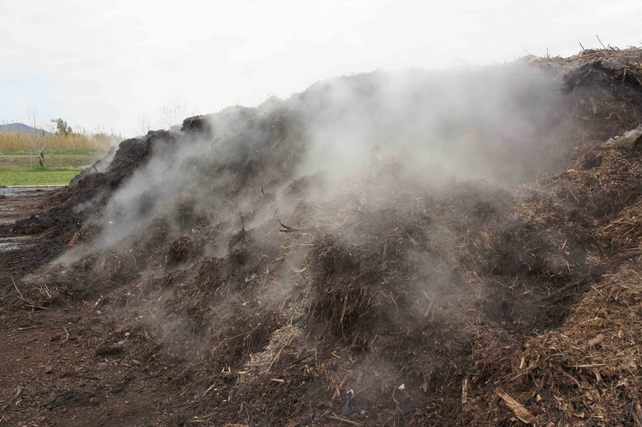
{"type": "Point", "coordinates": [498, 124]}
{"type": "Point", "coordinates": [350, 157]}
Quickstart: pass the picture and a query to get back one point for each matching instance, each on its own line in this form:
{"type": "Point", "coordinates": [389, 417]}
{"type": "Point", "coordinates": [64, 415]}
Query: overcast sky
{"type": "Point", "coordinates": [125, 65]}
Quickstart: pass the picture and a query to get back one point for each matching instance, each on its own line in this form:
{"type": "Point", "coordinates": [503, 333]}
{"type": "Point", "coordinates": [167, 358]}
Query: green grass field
{"type": "Point", "coordinates": [22, 168]}
{"type": "Point", "coordinates": [36, 177]}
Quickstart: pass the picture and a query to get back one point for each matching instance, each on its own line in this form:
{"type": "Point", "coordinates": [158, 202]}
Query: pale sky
{"type": "Point", "coordinates": [125, 65]}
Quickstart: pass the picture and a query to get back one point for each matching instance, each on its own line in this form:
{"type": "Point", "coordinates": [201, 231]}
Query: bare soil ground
{"type": "Point", "coordinates": [51, 372]}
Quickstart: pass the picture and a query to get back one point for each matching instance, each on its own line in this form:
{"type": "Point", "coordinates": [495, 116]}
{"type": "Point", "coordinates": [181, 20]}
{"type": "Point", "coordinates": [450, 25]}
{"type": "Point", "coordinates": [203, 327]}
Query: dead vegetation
{"type": "Point", "coordinates": [592, 362]}
{"type": "Point", "coordinates": [21, 143]}
{"type": "Point", "coordinates": [403, 303]}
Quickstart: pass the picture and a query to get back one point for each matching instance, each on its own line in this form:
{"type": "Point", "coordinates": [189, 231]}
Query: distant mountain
{"type": "Point", "coordinates": [21, 128]}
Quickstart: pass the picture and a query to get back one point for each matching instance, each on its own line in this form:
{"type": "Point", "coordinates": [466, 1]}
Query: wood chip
{"type": "Point", "coordinates": [518, 409]}
{"type": "Point", "coordinates": [636, 413]}
{"type": "Point", "coordinates": [595, 341]}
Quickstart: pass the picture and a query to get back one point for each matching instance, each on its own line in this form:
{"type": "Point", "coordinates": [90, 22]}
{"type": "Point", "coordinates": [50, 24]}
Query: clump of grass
{"type": "Point", "coordinates": [29, 143]}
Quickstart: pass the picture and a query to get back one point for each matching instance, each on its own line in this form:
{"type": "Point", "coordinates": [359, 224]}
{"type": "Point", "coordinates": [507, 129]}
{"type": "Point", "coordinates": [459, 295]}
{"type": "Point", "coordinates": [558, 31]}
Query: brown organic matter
{"type": "Point", "coordinates": [402, 304]}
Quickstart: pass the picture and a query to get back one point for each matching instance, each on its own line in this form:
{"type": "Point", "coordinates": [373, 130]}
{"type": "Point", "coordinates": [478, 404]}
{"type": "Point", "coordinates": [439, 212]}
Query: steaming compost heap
{"type": "Point", "coordinates": [404, 248]}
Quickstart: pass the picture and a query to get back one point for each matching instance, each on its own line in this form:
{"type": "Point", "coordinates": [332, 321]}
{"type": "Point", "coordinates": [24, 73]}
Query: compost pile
{"type": "Point", "coordinates": [403, 248]}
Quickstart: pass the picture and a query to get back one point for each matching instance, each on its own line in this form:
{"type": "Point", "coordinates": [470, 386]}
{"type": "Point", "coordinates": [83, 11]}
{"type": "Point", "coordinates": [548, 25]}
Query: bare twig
{"type": "Point", "coordinates": [276, 142]}
{"type": "Point", "coordinates": [343, 420]}
{"type": "Point", "coordinates": [27, 302]}
{"type": "Point", "coordinates": [210, 388]}
{"type": "Point", "coordinates": [17, 290]}
{"type": "Point", "coordinates": [288, 229]}
{"type": "Point", "coordinates": [285, 228]}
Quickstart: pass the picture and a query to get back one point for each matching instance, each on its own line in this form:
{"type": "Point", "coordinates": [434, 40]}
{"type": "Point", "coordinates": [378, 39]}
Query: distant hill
{"type": "Point", "coordinates": [21, 128]}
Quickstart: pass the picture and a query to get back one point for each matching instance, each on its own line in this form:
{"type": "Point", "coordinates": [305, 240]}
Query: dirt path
{"type": "Point", "coordinates": [54, 366]}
